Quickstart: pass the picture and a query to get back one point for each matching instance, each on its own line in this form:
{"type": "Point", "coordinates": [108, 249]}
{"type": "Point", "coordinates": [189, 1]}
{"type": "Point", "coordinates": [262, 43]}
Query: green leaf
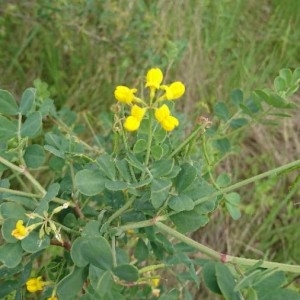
{"type": "Point", "coordinates": [185, 177]}
{"type": "Point", "coordinates": [270, 98]}
{"type": "Point", "coordinates": [32, 243]}
{"type": "Point", "coordinates": [140, 146]}
{"type": "Point", "coordinates": [101, 281]}
{"type": "Point", "coordinates": [97, 252]}
{"type": "Point", "coordinates": [107, 165]}
{"type": "Point", "coordinates": [69, 287]}
{"type": "Point", "coordinates": [11, 254]}
{"type": "Point", "coordinates": [162, 168]}
{"type": "Point", "coordinates": [7, 227]}
{"type": "Point", "coordinates": [181, 203]}
{"type": "Point", "coordinates": [52, 192]}
{"type": "Point", "coordinates": [159, 191]}
{"type": "Point", "coordinates": [266, 285]}
{"type": "Point", "coordinates": [223, 180]}
{"type": "Point", "coordinates": [8, 105]}
{"type": "Point", "coordinates": [12, 210]}
{"type": "Point", "coordinates": [7, 287]}
{"type": "Point", "coordinates": [132, 160]}
{"type": "Point", "coordinates": [157, 152]}
{"type": "Point", "coordinates": [280, 84]}
{"type": "Point", "coordinates": [90, 182]}
{"type": "Point", "coordinates": [8, 129]}
{"type": "Point", "coordinates": [116, 185]}
{"type": "Point", "coordinates": [280, 294]}
{"type": "Point", "coordinates": [54, 151]}
{"type": "Point", "coordinates": [237, 97]}
{"type": "Point", "coordinates": [287, 75]}
{"type": "Point", "coordinates": [238, 122]}
{"type": "Point", "coordinates": [27, 101]}
{"type": "Point", "coordinates": [232, 201]}
{"type": "Point", "coordinates": [123, 168]}
{"type": "Point", "coordinates": [210, 278]}
{"type": "Point", "coordinates": [223, 145]}
{"type": "Point", "coordinates": [141, 251]}
{"type": "Point", "coordinates": [233, 198]}
{"type": "Point", "coordinates": [32, 125]}
{"type": "Point", "coordinates": [188, 221]}
{"type": "Point", "coordinates": [226, 282]}
{"type": "Point", "coordinates": [233, 210]}
{"type": "Point", "coordinates": [34, 156]}
{"type": "Point", "coordinates": [76, 254]}
{"type": "Point", "coordinates": [127, 272]}
{"type": "Point", "coordinates": [221, 111]}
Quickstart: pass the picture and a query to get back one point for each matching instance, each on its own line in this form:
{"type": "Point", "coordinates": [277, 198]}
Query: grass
{"type": "Point", "coordinates": [83, 49]}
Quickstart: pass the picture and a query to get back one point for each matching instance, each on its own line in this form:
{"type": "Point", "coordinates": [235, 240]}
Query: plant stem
{"type": "Point", "coordinates": [19, 193]}
{"type": "Point", "coordinates": [149, 142]}
{"type": "Point", "coordinates": [120, 210]}
{"type": "Point", "coordinates": [113, 248]}
{"type": "Point", "coordinates": [186, 141]}
{"type": "Point", "coordinates": [237, 185]}
{"type": "Point", "coordinates": [151, 268]}
{"type": "Point", "coordinates": [208, 163]}
{"type": "Point", "coordinates": [24, 171]}
{"type": "Point", "coordinates": [151, 222]}
{"type": "Point", "coordinates": [203, 249]}
{"type": "Point", "coordinates": [224, 257]}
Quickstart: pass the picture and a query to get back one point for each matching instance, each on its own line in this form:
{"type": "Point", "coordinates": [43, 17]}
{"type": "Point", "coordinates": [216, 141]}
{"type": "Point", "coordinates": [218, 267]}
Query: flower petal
{"type": "Point", "coordinates": [162, 113]}
{"type": "Point", "coordinates": [132, 123]}
{"type": "Point", "coordinates": [138, 112]}
{"type": "Point", "coordinates": [174, 91]}
{"type": "Point", "coordinates": [154, 78]}
{"type": "Point", "coordinates": [124, 94]}
{"type": "Point", "coordinates": [169, 123]}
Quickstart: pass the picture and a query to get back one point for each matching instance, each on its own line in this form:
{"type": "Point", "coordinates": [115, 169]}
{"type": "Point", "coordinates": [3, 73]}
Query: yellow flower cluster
{"type": "Point", "coordinates": [154, 79]}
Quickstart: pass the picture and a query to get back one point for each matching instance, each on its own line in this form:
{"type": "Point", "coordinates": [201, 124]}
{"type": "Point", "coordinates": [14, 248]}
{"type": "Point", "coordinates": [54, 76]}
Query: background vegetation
{"type": "Point", "coordinates": [83, 49]}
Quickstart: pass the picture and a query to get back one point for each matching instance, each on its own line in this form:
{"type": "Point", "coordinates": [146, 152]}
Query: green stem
{"type": "Point", "coordinates": [151, 268]}
{"type": "Point", "coordinates": [151, 222]}
{"type": "Point", "coordinates": [20, 148]}
{"type": "Point", "coordinates": [224, 257]}
{"type": "Point", "coordinates": [208, 163]}
{"type": "Point", "coordinates": [203, 249]}
{"type": "Point", "coordinates": [120, 210]}
{"type": "Point", "coordinates": [149, 142]}
{"type": "Point", "coordinates": [25, 172]}
{"type": "Point", "coordinates": [237, 185]}
{"type": "Point", "coordinates": [124, 138]}
{"type": "Point", "coordinates": [140, 224]}
{"type": "Point", "coordinates": [19, 193]}
{"type": "Point", "coordinates": [65, 228]}
{"type": "Point", "coordinates": [186, 141]}
{"type": "Point", "coordinates": [91, 129]}
{"type": "Point", "coordinates": [113, 248]}
{"type": "Point", "coordinates": [30, 195]}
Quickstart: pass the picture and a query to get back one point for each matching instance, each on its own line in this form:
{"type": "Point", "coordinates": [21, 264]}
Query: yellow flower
{"type": "Point", "coordinates": [35, 284]}
{"type": "Point", "coordinates": [173, 91]}
{"type": "Point", "coordinates": [133, 122]}
{"type": "Point", "coordinates": [138, 112]}
{"type": "Point", "coordinates": [155, 282]}
{"type": "Point", "coordinates": [124, 94]}
{"type": "Point", "coordinates": [154, 78]}
{"type": "Point", "coordinates": [20, 232]}
{"type": "Point", "coordinates": [52, 298]}
{"type": "Point", "coordinates": [163, 116]}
